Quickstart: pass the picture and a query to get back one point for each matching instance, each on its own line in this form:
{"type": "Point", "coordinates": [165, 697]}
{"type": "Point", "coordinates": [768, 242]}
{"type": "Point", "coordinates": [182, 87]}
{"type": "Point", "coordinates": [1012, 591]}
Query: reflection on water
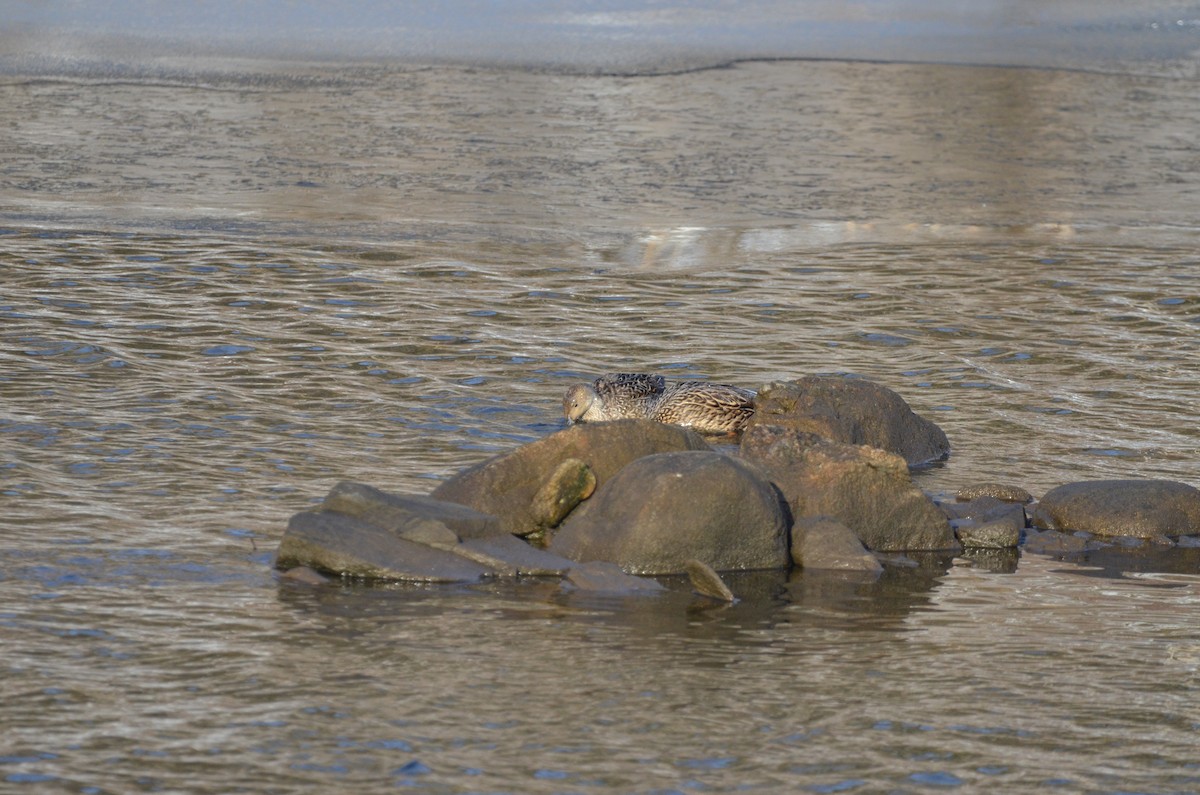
{"type": "Point", "coordinates": [222, 296]}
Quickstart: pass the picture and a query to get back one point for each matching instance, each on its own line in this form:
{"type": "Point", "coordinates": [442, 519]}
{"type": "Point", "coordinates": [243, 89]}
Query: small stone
{"type": "Point", "coordinates": [707, 582]}
{"type": "Point", "coordinates": [998, 534]}
{"type": "Point", "coordinates": [1000, 491]}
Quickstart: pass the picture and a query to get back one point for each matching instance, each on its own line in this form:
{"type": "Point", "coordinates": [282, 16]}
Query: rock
{"type": "Point", "coordinates": [662, 510]}
{"type": "Point", "coordinates": [852, 411]}
{"type": "Point", "coordinates": [423, 519]}
{"type": "Point", "coordinates": [707, 582]}
{"type": "Point", "coordinates": [1151, 509]}
{"type": "Point", "coordinates": [999, 491]}
{"type": "Point", "coordinates": [570, 484]}
{"type": "Point", "coordinates": [822, 542]}
{"type": "Point", "coordinates": [987, 522]}
{"type": "Point", "coordinates": [510, 486]}
{"type": "Point", "coordinates": [609, 578]}
{"type": "Point", "coordinates": [865, 488]}
{"type": "Point", "coordinates": [999, 534]}
{"type": "Point", "coordinates": [340, 544]}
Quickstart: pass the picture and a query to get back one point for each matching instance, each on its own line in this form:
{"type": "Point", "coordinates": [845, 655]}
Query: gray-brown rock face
{"type": "Point", "coordinates": [1152, 509]}
{"type": "Point", "coordinates": [513, 486]}
{"type": "Point", "coordinates": [867, 489]}
{"type": "Point", "coordinates": [662, 510]}
{"type": "Point", "coordinates": [852, 411]}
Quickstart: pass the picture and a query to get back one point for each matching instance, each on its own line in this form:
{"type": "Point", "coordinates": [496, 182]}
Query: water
{"type": "Point", "coordinates": [224, 290]}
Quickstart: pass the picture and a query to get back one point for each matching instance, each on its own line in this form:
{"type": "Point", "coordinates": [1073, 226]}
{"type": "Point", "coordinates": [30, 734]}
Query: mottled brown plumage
{"type": "Point", "coordinates": [700, 405]}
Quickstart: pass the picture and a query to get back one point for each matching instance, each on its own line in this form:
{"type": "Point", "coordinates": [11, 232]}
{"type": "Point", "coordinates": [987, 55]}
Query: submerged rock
{"type": "Point", "coordinates": [523, 488]}
{"type": "Point", "coordinates": [662, 510]}
{"type": "Point", "coordinates": [1150, 509]}
{"type": "Point", "coordinates": [867, 489]}
{"type": "Point", "coordinates": [851, 411]}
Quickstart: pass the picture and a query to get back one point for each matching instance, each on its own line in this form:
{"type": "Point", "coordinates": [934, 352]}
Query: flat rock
{"type": "Point", "coordinates": [506, 486]}
{"type": "Point", "coordinates": [1150, 509]}
{"type": "Point", "coordinates": [344, 545]}
{"type": "Point", "coordinates": [662, 510]}
{"type": "Point", "coordinates": [865, 488]}
{"type": "Point", "coordinates": [852, 411]}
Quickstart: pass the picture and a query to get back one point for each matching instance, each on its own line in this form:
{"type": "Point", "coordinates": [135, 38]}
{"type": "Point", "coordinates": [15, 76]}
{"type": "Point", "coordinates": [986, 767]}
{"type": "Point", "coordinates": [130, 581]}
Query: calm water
{"type": "Point", "coordinates": [223, 292]}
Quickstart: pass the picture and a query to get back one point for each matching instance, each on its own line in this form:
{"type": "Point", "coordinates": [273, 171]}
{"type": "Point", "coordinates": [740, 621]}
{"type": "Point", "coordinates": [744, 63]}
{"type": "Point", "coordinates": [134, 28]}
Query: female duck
{"type": "Point", "coordinates": [708, 408]}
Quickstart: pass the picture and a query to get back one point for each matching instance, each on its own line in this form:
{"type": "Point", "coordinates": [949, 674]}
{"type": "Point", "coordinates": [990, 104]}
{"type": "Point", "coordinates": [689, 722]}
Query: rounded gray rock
{"type": "Point", "coordinates": [663, 510]}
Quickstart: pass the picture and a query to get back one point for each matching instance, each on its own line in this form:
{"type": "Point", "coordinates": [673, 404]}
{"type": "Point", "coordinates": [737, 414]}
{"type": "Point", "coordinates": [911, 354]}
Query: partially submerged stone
{"type": "Point", "coordinates": [867, 489]}
{"type": "Point", "coordinates": [822, 542]}
{"type": "Point", "coordinates": [707, 582]}
{"type": "Point", "coordinates": [506, 485]}
{"type": "Point", "coordinates": [1150, 509]}
{"type": "Point", "coordinates": [662, 510]}
{"type": "Point", "coordinates": [852, 411]}
{"type": "Point", "coordinates": [340, 544]}
{"type": "Point", "coordinates": [987, 522]}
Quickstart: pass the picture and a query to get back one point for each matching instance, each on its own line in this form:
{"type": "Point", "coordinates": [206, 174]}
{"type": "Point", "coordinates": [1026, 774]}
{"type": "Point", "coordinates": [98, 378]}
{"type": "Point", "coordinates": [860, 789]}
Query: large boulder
{"type": "Point", "coordinates": [1151, 509]}
{"type": "Point", "coordinates": [360, 531]}
{"type": "Point", "coordinates": [514, 486]}
{"type": "Point", "coordinates": [865, 488]}
{"type": "Point", "coordinates": [852, 411]}
{"type": "Point", "coordinates": [663, 510]}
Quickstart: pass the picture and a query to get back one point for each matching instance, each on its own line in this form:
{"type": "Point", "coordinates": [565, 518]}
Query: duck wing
{"type": "Point", "coordinates": [629, 386]}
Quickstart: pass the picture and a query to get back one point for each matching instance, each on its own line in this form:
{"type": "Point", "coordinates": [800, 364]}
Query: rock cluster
{"type": "Point", "coordinates": [821, 479]}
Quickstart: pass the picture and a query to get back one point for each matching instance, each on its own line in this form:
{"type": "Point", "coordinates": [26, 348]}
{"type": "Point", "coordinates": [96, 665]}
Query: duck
{"type": "Point", "coordinates": [708, 408]}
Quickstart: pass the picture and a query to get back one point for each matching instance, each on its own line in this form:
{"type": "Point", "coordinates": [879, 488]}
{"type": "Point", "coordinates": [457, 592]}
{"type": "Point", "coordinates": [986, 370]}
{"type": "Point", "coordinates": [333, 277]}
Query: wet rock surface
{"type": "Point", "coordinates": [852, 411]}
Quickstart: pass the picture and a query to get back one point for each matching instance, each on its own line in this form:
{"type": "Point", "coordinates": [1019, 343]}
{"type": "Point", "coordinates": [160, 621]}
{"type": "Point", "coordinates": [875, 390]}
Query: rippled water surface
{"type": "Point", "coordinates": [224, 292]}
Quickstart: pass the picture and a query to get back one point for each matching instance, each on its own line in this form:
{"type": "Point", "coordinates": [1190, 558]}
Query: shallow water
{"type": "Point", "coordinates": [224, 293]}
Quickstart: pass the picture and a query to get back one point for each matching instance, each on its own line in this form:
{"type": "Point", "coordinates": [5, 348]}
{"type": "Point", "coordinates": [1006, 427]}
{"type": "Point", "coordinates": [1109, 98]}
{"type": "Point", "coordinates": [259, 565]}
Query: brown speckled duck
{"type": "Point", "coordinates": [702, 406]}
